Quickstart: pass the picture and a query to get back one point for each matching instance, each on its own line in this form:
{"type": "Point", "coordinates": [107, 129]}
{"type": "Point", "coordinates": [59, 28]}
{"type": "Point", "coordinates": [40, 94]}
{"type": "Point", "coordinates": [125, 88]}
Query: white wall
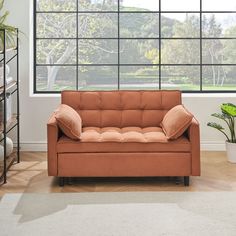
{"type": "Point", "coordinates": [36, 110]}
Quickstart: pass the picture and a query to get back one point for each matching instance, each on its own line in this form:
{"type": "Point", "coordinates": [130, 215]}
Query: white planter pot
{"type": "Point", "coordinates": [231, 152]}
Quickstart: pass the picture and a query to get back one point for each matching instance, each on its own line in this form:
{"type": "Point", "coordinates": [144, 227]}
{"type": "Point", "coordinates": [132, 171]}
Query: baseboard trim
{"type": "Point", "coordinates": [42, 146]}
{"type": "Point", "coordinates": [33, 146]}
{"type": "Point", "coordinates": [212, 146]}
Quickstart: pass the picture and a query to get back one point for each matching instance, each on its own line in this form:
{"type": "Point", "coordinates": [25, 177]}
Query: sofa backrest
{"type": "Point", "coordinates": [121, 108]}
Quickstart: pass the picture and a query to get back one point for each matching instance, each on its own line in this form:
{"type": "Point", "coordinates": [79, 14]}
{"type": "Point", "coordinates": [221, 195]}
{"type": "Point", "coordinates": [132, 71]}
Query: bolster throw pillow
{"type": "Point", "coordinates": [69, 121]}
{"type": "Point", "coordinates": [176, 121]}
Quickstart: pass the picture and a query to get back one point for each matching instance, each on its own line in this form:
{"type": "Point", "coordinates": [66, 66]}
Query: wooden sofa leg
{"type": "Point", "coordinates": [61, 181]}
{"type": "Point", "coordinates": [186, 180]}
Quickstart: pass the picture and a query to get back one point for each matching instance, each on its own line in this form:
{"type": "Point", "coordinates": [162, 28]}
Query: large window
{"type": "Point", "coordinates": [135, 44]}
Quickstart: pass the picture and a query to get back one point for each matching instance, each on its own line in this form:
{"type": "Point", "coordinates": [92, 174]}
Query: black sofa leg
{"type": "Point", "coordinates": [61, 181]}
{"type": "Point", "coordinates": [186, 180]}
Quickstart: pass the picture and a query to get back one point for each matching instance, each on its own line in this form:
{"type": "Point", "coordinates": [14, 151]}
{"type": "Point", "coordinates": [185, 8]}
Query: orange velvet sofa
{"type": "Point", "coordinates": [121, 137]}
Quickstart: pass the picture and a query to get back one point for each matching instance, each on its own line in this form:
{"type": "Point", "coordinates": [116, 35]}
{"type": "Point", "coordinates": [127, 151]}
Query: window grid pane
{"type": "Point", "coordinates": [126, 44]}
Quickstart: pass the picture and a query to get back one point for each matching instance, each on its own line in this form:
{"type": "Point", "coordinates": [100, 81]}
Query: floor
{"type": "Point", "coordinates": [30, 176]}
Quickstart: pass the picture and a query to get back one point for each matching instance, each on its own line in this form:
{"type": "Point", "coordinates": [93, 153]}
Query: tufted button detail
{"type": "Point", "coordinates": [127, 134]}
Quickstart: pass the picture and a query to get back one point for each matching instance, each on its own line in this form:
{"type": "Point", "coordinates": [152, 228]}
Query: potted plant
{"type": "Point", "coordinates": [10, 30]}
{"type": "Point", "coordinates": [228, 114]}
{"type": "Point", "coordinates": [10, 37]}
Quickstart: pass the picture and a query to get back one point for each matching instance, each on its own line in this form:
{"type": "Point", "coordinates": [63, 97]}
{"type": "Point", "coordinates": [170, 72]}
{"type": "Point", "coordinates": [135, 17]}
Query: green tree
{"type": "Point", "coordinates": [63, 25]}
{"type": "Point", "coordinates": [212, 49]}
{"type": "Point", "coordinates": [182, 51]}
{"type": "Point", "coordinates": [229, 52]}
{"type": "Point", "coordinates": [153, 55]}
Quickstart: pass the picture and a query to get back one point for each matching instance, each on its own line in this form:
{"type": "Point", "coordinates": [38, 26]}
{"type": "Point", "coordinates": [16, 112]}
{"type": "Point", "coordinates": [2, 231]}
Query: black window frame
{"type": "Point", "coordinates": [159, 38]}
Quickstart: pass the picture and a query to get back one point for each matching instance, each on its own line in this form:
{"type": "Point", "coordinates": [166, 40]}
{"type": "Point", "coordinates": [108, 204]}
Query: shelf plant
{"type": "Point", "coordinates": [10, 30]}
{"type": "Point", "coordinates": [227, 115]}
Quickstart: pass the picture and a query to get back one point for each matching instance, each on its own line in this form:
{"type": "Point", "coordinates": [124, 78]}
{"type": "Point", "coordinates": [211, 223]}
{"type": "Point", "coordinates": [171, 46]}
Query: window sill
{"type": "Point", "coordinates": [209, 95]}
{"type": "Point", "coordinates": [45, 95]}
{"type": "Point", "coordinates": [184, 95]}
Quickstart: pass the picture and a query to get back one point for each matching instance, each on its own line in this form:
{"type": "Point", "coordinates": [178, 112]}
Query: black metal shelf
{"type": "Point", "coordinates": [11, 123]}
{"type": "Point", "coordinates": [10, 160]}
{"type": "Point", "coordinates": [8, 49]}
{"type": "Point", "coordinates": [10, 59]}
{"type": "Point", "coordinates": [7, 126]}
{"type": "Point", "coordinates": [8, 87]}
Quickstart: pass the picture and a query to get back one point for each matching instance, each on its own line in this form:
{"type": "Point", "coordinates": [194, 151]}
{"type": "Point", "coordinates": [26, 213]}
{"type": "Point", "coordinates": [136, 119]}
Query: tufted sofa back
{"type": "Point", "coordinates": [121, 108]}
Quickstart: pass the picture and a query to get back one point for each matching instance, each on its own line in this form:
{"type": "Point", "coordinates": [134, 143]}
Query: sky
{"type": "Point", "coordinates": [191, 5]}
{"type": "Point", "coordinates": [188, 5]}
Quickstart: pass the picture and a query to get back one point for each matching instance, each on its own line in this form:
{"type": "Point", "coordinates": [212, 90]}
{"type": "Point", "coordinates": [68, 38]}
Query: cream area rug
{"type": "Point", "coordinates": [119, 214]}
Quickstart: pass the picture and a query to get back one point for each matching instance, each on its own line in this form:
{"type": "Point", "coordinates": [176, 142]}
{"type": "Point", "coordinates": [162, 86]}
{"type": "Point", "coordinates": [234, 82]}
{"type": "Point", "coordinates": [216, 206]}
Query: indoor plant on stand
{"type": "Point", "coordinates": [228, 114]}
{"type": "Point", "coordinates": [10, 40]}
{"type": "Point", "coordinates": [10, 30]}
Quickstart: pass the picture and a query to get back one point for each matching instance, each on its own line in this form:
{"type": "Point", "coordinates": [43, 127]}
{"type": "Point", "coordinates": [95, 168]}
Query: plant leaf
{"type": "Point", "coordinates": [3, 17]}
{"type": "Point", "coordinates": [1, 4]}
{"type": "Point", "coordinates": [220, 116]}
{"type": "Point", "coordinates": [228, 109]}
{"type": "Point", "coordinates": [215, 125]}
{"type": "Point", "coordinates": [10, 31]}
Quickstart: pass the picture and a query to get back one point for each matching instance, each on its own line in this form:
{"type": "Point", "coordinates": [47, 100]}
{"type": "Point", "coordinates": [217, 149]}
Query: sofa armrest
{"type": "Point", "coordinates": [52, 138]}
{"type": "Point", "coordinates": [194, 137]}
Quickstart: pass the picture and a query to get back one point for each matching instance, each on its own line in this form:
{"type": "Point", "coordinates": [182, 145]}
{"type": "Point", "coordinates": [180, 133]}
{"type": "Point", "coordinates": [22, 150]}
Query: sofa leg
{"type": "Point", "coordinates": [61, 181]}
{"type": "Point", "coordinates": [186, 180]}
{"type": "Point", "coordinates": [70, 181]}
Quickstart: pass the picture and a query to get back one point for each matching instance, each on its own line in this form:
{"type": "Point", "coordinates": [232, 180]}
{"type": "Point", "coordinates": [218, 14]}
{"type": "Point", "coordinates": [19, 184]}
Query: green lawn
{"type": "Point", "coordinates": [136, 86]}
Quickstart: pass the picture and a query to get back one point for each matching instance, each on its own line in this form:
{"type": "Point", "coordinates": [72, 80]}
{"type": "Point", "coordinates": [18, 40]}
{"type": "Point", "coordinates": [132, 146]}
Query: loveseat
{"type": "Point", "coordinates": [121, 136]}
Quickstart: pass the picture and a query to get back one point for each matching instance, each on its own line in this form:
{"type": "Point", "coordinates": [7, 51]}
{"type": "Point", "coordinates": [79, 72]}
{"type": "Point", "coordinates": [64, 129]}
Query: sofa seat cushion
{"type": "Point", "coordinates": [127, 134]}
{"type": "Point", "coordinates": [128, 139]}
